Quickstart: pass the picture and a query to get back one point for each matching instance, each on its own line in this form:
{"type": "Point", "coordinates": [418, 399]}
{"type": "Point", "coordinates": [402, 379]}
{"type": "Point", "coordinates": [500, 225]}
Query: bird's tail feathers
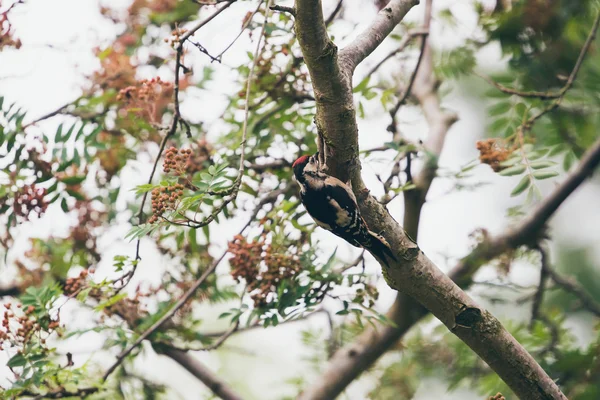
{"type": "Point", "coordinates": [381, 249]}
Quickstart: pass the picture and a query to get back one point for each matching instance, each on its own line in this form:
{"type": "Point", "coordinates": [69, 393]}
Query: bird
{"type": "Point", "coordinates": [333, 206]}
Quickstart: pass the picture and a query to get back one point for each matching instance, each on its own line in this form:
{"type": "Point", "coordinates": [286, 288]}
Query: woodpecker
{"type": "Point", "coordinates": [333, 206]}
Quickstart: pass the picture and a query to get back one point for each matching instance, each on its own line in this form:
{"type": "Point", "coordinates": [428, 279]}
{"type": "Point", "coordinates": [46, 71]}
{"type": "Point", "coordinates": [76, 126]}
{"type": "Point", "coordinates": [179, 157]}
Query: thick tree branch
{"type": "Point", "coordinates": [350, 361]}
{"type": "Point", "coordinates": [382, 26]}
{"type": "Point", "coordinates": [204, 375]}
{"type": "Point", "coordinates": [415, 275]}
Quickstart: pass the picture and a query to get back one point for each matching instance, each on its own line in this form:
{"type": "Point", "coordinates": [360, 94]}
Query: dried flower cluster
{"type": "Point", "coordinates": [175, 38]}
{"type": "Point", "coordinates": [30, 199]}
{"type": "Point", "coordinates": [165, 198]}
{"type": "Point", "coordinates": [498, 396]}
{"type": "Point", "coordinates": [74, 285]}
{"type": "Point", "coordinates": [201, 155]}
{"type": "Point", "coordinates": [117, 70]}
{"type": "Point", "coordinates": [83, 233]}
{"type": "Point", "coordinates": [114, 157]}
{"type": "Point", "coordinates": [262, 266]}
{"type": "Point", "coordinates": [491, 152]}
{"type": "Point", "coordinates": [6, 38]}
{"type": "Point", "coordinates": [141, 8]}
{"type": "Point", "coordinates": [17, 329]}
{"type": "Point", "coordinates": [147, 99]}
{"type": "Point", "coordinates": [176, 160]}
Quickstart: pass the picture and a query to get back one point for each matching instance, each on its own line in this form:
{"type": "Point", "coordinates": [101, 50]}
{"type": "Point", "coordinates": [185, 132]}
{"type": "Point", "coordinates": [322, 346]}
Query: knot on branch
{"type": "Point", "coordinates": [468, 317]}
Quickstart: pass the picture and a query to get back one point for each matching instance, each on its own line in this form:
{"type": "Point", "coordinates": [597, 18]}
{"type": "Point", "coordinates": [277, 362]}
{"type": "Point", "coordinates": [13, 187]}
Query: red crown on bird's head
{"type": "Point", "coordinates": [301, 160]}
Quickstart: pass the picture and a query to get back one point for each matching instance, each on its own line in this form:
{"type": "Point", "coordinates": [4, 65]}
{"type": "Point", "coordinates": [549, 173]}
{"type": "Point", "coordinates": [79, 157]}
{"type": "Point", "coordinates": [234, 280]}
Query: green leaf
{"type": "Point", "coordinates": [69, 132]}
{"type": "Point", "coordinates": [523, 184]}
{"type": "Point", "coordinates": [511, 161]}
{"type": "Point", "coordinates": [63, 205]}
{"type": "Point", "coordinates": [521, 110]}
{"type": "Point", "coordinates": [514, 170]}
{"type": "Point", "coordinates": [75, 194]}
{"type": "Point", "coordinates": [141, 189]}
{"type": "Point", "coordinates": [362, 85]}
{"type": "Point", "coordinates": [544, 174]}
{"type": "Point", "coordinates": [18, 360]}
{"type": "Point", "coordinates": [542, 164]}
{"type": "Point", "coordinates": [79, 132]}
{"type": "Point", "coordinates": [112, 301]}
{"type": "Point", "coordinates": [568, 160]}
{"type": "Point", "coordinates": [499, 108]}
{"type": "Point", "coordinates": [73, 180]}
{"type": "Point", "coordinates": [58, 136]}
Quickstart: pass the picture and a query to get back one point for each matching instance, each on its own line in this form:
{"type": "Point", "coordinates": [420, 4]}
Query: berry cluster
{"type": "Point", "coordinates": [146, 98]}
{"type": "Point", "coordinates": [175, 38]}
{"type": "Point", "coordinates": [6, 31]}
{"type": "Point", "coordinates": [262, 282]}
{"type": "Point", "coordinates": [199, 157]}
{"type": "Point", "coordinates": [176, 160]}
{"type": "Point", "coordinates": [17, 330]}
{"type": "Point", "coordinates": [30, 199]}
{"type": "Point", "coordinates": [246, 259]}
{"type": "Point", "coordinates": [493, 153]}
{"type": "Point", "coordinates": [74, 285]}
{"type": "Point", "coordinates": [165, 198]}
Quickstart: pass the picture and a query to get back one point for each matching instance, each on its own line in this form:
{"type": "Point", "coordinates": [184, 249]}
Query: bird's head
{"type": "Point", "coordinates": [305, 164]}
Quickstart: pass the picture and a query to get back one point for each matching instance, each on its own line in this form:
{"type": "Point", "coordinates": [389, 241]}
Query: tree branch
{"type": "Point", "coordinates": [204, 375]}
{"type": "Point", "coordinates": [382, 26]}
{"type": "Point", "coordinates": [569, 285]}
{"type": "Point", "coordinates": [415, 275]}
{"type": "Point", "coordinates": [401, 46]}
{"type": "Point", "coordinates": [350, 361]}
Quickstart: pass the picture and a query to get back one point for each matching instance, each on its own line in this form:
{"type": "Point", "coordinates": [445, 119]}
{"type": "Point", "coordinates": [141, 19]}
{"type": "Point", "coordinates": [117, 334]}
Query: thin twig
{"type": "Point", "coordinates": [220, 56]}
{"type": "Point", "coordinates": [408, 37]}
{"type": "Point", "coordinates": [49, 115]}
{"type": "Point", "coordinates": [205, 51]}
{"type": "Point", "coordinates": [335, 12]}
{"type": "Point", "coordinates": [392, 127]}
{"type": "Point", "coordinates": [538, 297]}
{"type": "Point", "coordinates": [529, 94]}
{"type": "Point", "coordinates": [200, 24]}
{"type": "Point", "coordinates": [570, 285]}
{"type": "Point", "coordinates": [353, 264]}
{"type": "Point", "coordinates": [284, 9]}
{"type": "Point", "coordinates": [558, 96]}
{"type": "Point", "coordinates": [278, 164]}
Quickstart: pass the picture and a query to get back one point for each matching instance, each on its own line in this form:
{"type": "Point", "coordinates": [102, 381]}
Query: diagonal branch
{"type": "Point", "coordinates": [204, 375]}
{"type": "Point", "coordinates": [373, 36]}
{"type": "Point", "coordinates": [401, 46]}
